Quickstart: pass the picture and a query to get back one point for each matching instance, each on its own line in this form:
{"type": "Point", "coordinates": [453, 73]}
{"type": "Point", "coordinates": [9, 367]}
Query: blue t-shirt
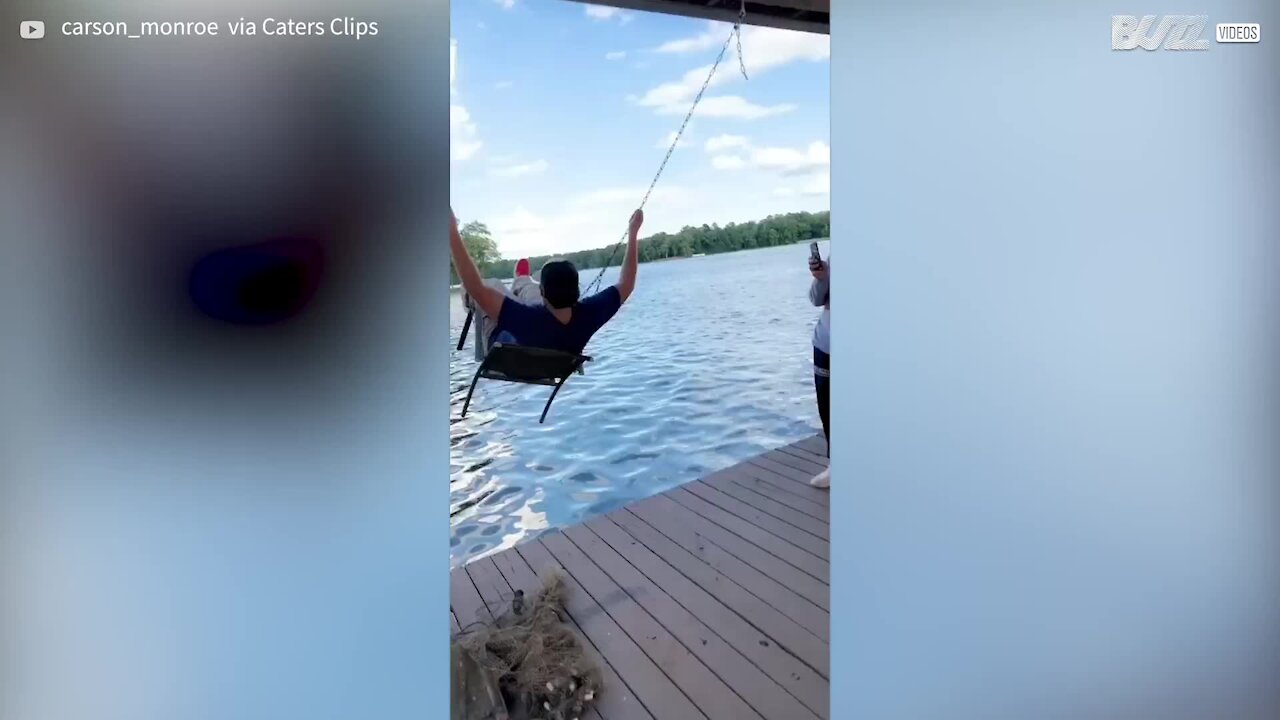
{"type": "Point", "coordinates": [535, 326]}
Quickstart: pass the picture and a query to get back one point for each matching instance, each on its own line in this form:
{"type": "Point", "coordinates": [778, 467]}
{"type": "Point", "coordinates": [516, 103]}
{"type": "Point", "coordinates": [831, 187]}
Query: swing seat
{"type": "Point", "coordinates": [529, 366]}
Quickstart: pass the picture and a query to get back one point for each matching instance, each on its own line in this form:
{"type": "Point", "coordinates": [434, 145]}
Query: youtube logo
{"type": "Point", "coordinates": [31, 29]}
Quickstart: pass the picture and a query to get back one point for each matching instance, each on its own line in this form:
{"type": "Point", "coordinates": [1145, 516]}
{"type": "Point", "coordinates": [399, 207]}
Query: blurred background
{"type": "Point", "coordinates": [217, 269]}
{"type": "Point", "coordinates": [1061, 326]}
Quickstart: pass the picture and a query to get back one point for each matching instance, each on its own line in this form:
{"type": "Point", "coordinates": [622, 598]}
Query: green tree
{"type": "Point", "coordinates": [771, 231]}
{"type": "Point", "coordinates": [480, 243]}
{"type": "Point", "coordinates": [482, 248]}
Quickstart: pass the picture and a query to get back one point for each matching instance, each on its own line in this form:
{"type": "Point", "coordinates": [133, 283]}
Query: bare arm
{"type": "Point", "coordinates": [627, 276]}
{"type": "Point", "coordinates": [488, 299]}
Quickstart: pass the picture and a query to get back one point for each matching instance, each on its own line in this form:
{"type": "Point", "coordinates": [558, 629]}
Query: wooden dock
{"type": "Point", "coordinates": [711, 600]}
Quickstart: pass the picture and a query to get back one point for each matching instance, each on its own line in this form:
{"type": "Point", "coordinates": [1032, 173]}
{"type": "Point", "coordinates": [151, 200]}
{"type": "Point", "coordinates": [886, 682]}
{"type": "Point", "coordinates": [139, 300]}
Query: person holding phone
{"type": "Point", "coordinates": [820, 295]}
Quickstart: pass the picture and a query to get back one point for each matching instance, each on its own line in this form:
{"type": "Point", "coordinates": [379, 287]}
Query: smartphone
{"type": "Point", "coordinates": [813, 252]}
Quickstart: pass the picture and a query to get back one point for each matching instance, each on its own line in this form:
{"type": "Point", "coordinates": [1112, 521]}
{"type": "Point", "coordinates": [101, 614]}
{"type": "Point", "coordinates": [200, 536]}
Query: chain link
{"type": "Point", "coordinates": [737, 31]}
{"type": "Point", "coordinates": [676, 140]}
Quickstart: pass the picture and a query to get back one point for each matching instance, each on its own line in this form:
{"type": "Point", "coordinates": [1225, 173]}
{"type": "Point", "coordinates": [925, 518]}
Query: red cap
{"type": "Point", "coordinates": [522, 267]}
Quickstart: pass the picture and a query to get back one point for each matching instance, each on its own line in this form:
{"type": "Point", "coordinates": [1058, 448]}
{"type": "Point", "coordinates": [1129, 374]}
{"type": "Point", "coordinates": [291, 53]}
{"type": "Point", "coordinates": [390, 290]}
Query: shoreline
{"type": "Point", "coordinates": [458, 286]}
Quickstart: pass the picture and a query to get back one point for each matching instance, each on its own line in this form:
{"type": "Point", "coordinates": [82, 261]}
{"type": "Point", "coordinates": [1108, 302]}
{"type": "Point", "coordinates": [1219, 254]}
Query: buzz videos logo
{"type": "Point", "coordinates": [1175, 32]}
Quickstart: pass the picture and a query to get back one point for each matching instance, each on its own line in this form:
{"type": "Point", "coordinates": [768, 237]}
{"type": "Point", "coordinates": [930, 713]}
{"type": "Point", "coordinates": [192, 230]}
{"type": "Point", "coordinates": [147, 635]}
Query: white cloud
{"type": "Point", "coordinates": [818, 186]}
{"type": "Point", "coordinates": [791, 161]}
{"type": "Point", "coordinates": [592, 219]}
{"type": "Point", "coordinates": [763, 49]}
{"type": "Point", "coordinates": [665, 141]}
{"type": "Point", "coordinates": [734, 106]}
{"type": "Point", "coordinates": [506, 4]}
{"type": "Point", "coordinates": [618, 199]}
{"type": "Point", "coordinates": [707, 40]}
{"type": "Point", "coordinates": [728, 162]}
{"type": "Point", "coordinates": [810, 165]}
{"type": "Point", "coordinates": [519, 170]}
{"type": "Point", "coordinates": [464, 136]}
{"type": "Point", "coordinates": [672, 99]}
{"type": "Point", "coordinates": [783, 160]}
{"type": "Point", "coordinates": [605, 12]}
{"type": "Point", "coordinates": [726, 142]}
{"type": "Point", "coordinates": [503, 84]}
{"type": "Point", "coordinates": [676, 92]}
{"type": "Point", "coordinates": [519, 222]}
{"type": "Point", "coordinates": [821, 185]}
{"type": "Point", "coordinates": [615, 55]}
{"type": "Point", "coordinates": [453, 66]}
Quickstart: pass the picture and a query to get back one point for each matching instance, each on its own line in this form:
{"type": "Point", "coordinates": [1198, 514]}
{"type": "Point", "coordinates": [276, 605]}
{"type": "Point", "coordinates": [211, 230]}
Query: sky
{"type": "Point", "coordinates": [561, 113]}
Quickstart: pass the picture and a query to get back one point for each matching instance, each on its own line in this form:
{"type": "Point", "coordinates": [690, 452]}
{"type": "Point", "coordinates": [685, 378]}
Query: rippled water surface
{"type": "Point", "coordinates": [708, 363]}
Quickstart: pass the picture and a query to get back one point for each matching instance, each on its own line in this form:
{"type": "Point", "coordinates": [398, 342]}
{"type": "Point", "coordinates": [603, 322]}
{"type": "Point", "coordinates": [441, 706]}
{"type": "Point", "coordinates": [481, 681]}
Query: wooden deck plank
{"type": "Point", "coordinates": [812, 501]}
{"type": "Point", "coordinates": [783, 471]}
{"type": "Point", "coordinates": [661, 697]}
{"type": "Point", "coordinates": [615, 701]}
{"type": "Point", "coordinates": [795, 581]}
{"type": "Point", "coordinates": [807, 467]}
{"type": "Point", "coordinates": [765, 502]}
{"type": "Point", "coordinates": [494, 591]}
{"type": "Point", "coordinates": [798, 535]}
{"type": "Point", "coordinates": [815, 444]}
{"type": "Point", "coordinates": [733, 533]}
{"type": "Point", "coordinates": [465, 600]}
{"type": "Point", "coordinates": [776, 594]}
{"type": "Point", "coordinates": [714, 698]}
{"type": "Point", "coordinates": [710, 600]}
{"type": "Point", "coordinates": [796, 639]}
{"type": "Point", "coordinates": [797, 547]}
{"type": "Point", "coordinates": [781, 463]}
{"type": "Point", "coordinates": [804, 454]}
{"type": "Point", "coordinates": [729, 644]}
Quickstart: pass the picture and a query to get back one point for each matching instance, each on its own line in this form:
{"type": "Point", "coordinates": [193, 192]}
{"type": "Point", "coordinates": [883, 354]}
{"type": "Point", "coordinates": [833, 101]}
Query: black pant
{"type": "Point", "coordinates": [822, 387]}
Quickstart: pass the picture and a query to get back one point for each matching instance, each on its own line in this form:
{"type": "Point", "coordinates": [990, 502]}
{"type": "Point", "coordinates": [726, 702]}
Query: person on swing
{"type": "Point", "coordinates": [564, 321]}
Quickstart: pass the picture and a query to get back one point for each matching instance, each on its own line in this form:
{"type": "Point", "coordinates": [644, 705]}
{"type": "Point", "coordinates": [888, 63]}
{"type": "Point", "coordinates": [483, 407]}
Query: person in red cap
{"type": "Point", "coordinates": [523, 286]}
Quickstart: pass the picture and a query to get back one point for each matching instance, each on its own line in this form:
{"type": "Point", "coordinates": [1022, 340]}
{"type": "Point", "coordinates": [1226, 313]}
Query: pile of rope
{"type": "Point", "coordinates": [534, 658]}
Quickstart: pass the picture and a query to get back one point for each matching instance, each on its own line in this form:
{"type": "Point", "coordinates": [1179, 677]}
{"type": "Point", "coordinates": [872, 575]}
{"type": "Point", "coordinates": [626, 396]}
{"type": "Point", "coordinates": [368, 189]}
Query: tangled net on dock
{"type": "Point", "coordinates": [534, 658]}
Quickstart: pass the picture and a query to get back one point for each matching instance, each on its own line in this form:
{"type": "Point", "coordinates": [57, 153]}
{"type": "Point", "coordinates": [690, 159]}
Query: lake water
{"type": "Point", "coordinates": [708, 363]}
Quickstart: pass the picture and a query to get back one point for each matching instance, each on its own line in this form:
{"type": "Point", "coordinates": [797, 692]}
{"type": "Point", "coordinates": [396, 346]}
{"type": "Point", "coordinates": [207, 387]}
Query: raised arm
{"type": "Point", "coordinates": [488, 299]}
{"type": "Point", "coordinates": [627, 276]}
{"type": "Point", "coordinates": [820, 288]}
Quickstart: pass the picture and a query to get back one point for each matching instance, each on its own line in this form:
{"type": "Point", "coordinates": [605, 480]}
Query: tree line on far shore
{"type": "Point", "coordinates": [705, 240]}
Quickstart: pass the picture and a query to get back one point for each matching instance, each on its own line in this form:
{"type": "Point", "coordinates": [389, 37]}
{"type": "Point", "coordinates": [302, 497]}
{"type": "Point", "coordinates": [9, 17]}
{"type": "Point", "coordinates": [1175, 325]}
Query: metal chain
{"type": "Point", "coordinates": [737, 31]}
{"type": "Point", "coordinates": [676, 141]}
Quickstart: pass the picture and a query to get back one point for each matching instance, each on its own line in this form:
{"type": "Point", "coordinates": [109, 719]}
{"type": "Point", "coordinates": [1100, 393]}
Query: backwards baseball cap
{"type": "Point", "coordinates": [560, 283]}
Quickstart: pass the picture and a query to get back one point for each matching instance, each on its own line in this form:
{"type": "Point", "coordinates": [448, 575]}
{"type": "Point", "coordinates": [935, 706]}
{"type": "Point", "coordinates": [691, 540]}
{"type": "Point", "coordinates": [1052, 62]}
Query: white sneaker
{"type": "Point", "coordinates": [822, 479]}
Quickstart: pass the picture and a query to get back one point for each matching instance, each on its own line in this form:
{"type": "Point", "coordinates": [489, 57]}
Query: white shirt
{"type": "Point", "coordinates": [820, 294]}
